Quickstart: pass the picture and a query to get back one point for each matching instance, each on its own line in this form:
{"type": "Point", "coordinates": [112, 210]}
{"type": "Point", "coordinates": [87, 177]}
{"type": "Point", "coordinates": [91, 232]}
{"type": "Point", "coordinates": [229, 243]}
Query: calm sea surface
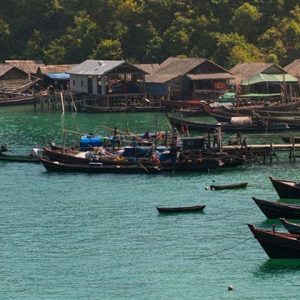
{"type": "Point", "coordinates": [77, 236]}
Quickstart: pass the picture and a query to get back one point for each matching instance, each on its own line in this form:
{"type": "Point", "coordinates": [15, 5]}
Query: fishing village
{"type": "Point", "coordinates": [151, 167]}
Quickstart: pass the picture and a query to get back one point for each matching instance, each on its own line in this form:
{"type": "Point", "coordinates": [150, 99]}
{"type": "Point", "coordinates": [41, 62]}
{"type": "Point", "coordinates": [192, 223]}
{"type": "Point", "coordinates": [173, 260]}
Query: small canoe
{"type": "Point", "coordinates": [181, 209]}
{"type": "Point", "coordinates": [229, 186]}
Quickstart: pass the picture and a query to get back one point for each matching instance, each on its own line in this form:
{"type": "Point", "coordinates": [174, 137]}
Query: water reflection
{"type": "Point", "coordinates": [279, 266]}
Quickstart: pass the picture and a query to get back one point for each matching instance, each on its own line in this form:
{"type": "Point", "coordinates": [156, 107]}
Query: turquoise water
{"type": "Point", "coordinates": [77, 236]}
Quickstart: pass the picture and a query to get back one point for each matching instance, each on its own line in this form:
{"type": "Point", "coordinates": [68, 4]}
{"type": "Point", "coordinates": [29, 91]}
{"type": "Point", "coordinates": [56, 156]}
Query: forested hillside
{"type": "Point", "coordinates": [225, 31]}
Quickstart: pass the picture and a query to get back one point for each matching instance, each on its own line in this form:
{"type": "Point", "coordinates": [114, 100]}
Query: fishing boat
{"type": "Point", "coordinates": [17, 100]}
{"type": "Point", "coordinates": [19, 158]}
{"type": "Point", "coordinates": [286, 188]}
{"type": "Point", "coordinates": [274, 210]}
{"type": "Point", "coordinates": [203, 164]}
{"type": "Point", "coordinates": [113, 109]}
{"type": "Point", "coordinates": [240, 185]}
{"type": "Point", "coordinates": [290, 139]}
{"type": "Point", "coordinates": [93, 167]}
{"type": "Point", "coordinates": [273, 107]}
{"type": "Point", "coordinates": [83, 157]}
{"type": "Point", "coordinates": [181, 209]}
{"type": "Point", "coordinates": [183, 124]}
{"type": "Point", "coordinates": [290, 227]}
{"type": "Point", "coordinates": [277, 244]}
{"type": "Point", "coordinates": [183, 104]}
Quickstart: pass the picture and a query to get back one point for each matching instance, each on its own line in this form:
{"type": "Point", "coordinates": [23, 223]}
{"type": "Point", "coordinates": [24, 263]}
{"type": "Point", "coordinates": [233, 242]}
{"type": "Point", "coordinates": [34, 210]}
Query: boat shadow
{"type": "Point", "coordinates": [279, 266]}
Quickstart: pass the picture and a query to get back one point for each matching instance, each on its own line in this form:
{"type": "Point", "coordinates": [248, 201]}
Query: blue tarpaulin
{"type": "Point", "coordinates": [59, 76]}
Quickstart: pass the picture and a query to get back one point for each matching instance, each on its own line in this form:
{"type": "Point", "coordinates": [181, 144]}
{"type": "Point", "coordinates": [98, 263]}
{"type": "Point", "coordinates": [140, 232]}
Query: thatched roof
{"type": "Point", "coordinates": [174, 67]}
{"type": "Point", "coordinates": [210, 76]}
{"type": "Point", "coordinates": [148, 68]}
{"type": "Point", "coordinates": [4, 68]}
{"type": "Point", "coordinates": [55, 69]}
{"type": "Point", "coordinates": [28, 66]}
{"type": "Point", "coordinates": [245, 71]}
{"type": "Point", "coordinates": [294, 68]}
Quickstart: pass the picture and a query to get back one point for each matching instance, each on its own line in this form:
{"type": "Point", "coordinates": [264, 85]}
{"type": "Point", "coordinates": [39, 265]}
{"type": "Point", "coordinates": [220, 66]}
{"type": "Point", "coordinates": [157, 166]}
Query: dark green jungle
{"type": "Point", "coordinates": [225, 31]}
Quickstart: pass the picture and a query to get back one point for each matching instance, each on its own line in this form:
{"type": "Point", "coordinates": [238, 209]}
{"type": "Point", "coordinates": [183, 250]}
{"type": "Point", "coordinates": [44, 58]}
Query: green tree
{"type": "Point", "coordinates": [233, 48]}
{"type": "Point", "coordinates": [245, 19]}
{"type": "Point", "coordinates": [108, 49]}
{"type": "Point", "coordinates": [4, 38]}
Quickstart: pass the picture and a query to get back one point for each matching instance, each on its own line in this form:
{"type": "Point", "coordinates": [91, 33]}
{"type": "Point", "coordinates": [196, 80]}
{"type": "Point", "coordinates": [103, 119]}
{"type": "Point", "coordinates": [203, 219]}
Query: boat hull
{"type": "Point", "coordinates": [290, 227]}
{"type": "Point", "coordinates": [98, 168]}
{"type": "Point", "coordinates": [229, 186]}
{"type": "Point", "coordinates": [275, 210]}
{"type": "Point", "coordinates": [286, 188]}
{"type": "Point", "coordinates": [277, 245]}
{"type": "Point", "coordinates": [183, 209]}
{"type": "Point", "coordinates": [184, 124]}
{"type": "Point", "coordinates": [19, 158]}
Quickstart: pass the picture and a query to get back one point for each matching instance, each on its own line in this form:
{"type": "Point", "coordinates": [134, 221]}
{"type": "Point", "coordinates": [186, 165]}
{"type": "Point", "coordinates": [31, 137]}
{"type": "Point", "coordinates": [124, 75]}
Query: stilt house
{"type": "Point", "coordinates": [188, 78]}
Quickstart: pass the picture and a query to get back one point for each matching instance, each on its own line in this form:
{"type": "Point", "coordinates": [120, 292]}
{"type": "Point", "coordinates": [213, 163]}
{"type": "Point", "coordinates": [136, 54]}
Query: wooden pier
{"type": "Point", "coordinates": [264, 152]}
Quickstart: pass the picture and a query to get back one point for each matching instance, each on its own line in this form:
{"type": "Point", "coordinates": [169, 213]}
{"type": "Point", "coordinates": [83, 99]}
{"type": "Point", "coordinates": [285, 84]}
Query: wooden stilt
{"type": "Point", "coordinates": [62, 102]}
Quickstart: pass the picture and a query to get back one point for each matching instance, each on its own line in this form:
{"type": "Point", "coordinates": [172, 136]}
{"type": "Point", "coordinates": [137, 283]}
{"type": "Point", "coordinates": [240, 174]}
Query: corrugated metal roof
{"type": "Point", "coordinates": [210, 76]}
{"type": "Point", "coordinates": [95, 67]}
{"type": "Point", "coordinates": [269, 78]}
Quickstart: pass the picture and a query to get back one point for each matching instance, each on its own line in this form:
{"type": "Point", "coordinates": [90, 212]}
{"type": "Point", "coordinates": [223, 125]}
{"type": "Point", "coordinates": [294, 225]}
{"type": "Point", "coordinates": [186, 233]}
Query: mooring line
{"type": "Point", "coordinates": [232, 214]}
{"type": "Point", "coordinates": [227, 249]}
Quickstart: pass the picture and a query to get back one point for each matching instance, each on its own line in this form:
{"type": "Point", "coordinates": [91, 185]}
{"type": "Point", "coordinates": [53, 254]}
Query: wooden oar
{"type": "Point", "coordinates": [141, 165]}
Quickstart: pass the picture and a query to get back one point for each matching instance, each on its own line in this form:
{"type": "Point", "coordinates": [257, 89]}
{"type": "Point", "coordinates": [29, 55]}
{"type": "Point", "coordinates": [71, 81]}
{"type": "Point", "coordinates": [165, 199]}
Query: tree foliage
{"type": "Point", "coordinates": [149, 31]}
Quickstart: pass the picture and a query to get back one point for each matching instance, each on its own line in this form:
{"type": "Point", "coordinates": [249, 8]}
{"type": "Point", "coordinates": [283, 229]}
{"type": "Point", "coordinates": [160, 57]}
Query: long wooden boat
{"type": "Point", "coordinates": [275, 107]}
{"type": "Point", "coordinates": [286, 188]}
{"type": "Point", "coordinates": [255, 127]}
{"type": "Point", "coordinates": [239, 185]}
{"type": "Point", "coordinates": [19, 158]}
{"type": "Point", "coordinates": [77, 157]}
{"type": "Point", "coordinates": [114, 109]}
{"type": "Point", "coordinates": [181, 209]}
{"type": "Point", "coordinates": [290, 139]}
{"type": "Point", "coordinates": [17, 100]}
{"type": "Point", "coordinates": [274, 210]}
{"type": "Point", "coordinates": [204, 164]}
{"type": "Point", "coordinates": [290, 227]}
{"type": "Point", "coordinates": [288, 121]}
{"type": "Point", "coordinates": [56, 166]}
{"type": "Point", "coordinates": [277, 244]}
{"type": "Point", "coordinates": [183, 103]}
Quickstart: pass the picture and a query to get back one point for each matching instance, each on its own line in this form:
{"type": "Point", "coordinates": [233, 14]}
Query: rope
{"type": "Point", "coordinates": [227, 249]}
{"type": "Point", "coordinates": [232, 214]}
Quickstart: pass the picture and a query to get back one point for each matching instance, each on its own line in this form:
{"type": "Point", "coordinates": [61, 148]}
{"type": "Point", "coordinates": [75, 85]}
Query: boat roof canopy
{"type": "Point", "coordinates": [259, 78]}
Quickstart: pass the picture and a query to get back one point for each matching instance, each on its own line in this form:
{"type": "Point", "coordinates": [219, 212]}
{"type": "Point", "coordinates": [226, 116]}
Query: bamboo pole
{"type": "Point", "coordinates": [62, 103]}
{"type": "Point", "coordinates": [73, 102]}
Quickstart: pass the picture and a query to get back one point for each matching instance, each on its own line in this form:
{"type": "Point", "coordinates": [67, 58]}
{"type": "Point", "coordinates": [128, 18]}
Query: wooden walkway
{"type": "Point", "coordinates": [264, 151]}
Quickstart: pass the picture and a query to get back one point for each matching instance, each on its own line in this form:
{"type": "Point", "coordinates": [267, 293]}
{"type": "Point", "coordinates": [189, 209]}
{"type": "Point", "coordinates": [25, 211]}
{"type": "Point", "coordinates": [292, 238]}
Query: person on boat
{"type": "Point", "coordinates": [155, 160]}
{"type": "Point", "coordinates": [36, 152]}
{"type": "Point", "coordinates": [215, 139]}
{"type": "Point", "coordinates": [3, 148]}
{"type": "Point", "coordinates": [244, 143]}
